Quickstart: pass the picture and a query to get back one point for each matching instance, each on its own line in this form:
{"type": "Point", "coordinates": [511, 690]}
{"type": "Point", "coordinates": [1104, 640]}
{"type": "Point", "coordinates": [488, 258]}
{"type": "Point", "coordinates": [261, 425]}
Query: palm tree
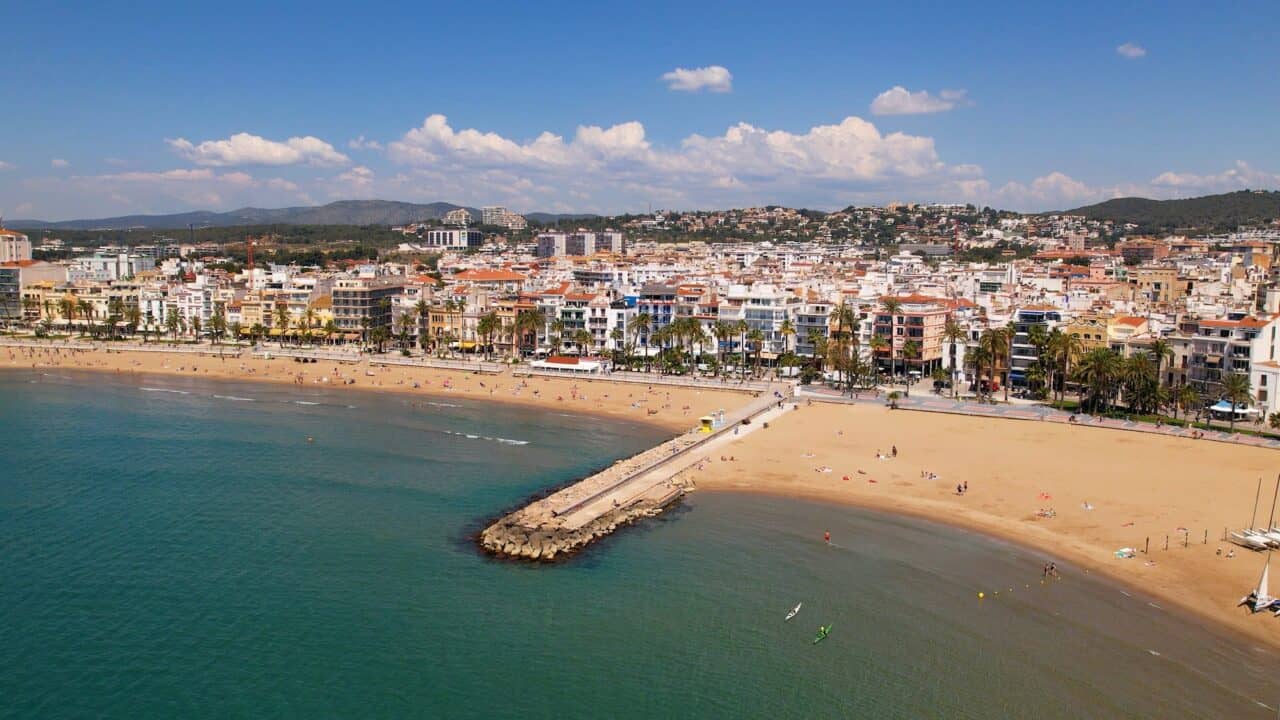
{"type": "Point", "coordinates": [616, 336]}
{"type": "Point", "coordinates": [308, 322]}
{"type": "Point", "coordinates": [331, 330]}
{"type": "Point", "coordinates": [1161, 350]}
{"type": "Point", "coordinates": [86, 312]}
{"type": "Point", "coordinates": [486, 327]}
{"type": "Point", "coordinates": [1141, 383]}
{"type": "Point", "coordinates": [910, 351]}
{"type": "Point", "coordinates": [67, 306]}
{"type": "Point", "coordinates": [557, 335]}
{"type": "Point", "coordinates": [422, 312]}
{"type": "Point", "coordinates": [217, 322]}
{"type": "Point", "coordinates": [1064, 349]}
{"type": "Point", "coordinates": [819, 343]}
{"type": "Point", "coordinates": [235, 327]}
{"type": "Point", "coordinates": [133, 318]}
{"type": "Point", "coordinates": [584, 340]}
{"type": "Point", "coordinates": [788, 331]}
{"type": "Point", "coordinates": [1099, 370]}
{"type": "Point", "coordinates": [954, 335]}
{"type": "Point", "coordinates": [757, 343]}
{"type": "Point", "coordinates": [283, 320]}
{"type": "Point", "coordinates": [172, 323]}
{"type": "Point", "coordinates": [1236, 390]}
{"type": "Point", "coordinates": [640, 326]}
{"type": "Point", "coordinates": [1185, 398]}
{"type": "Point", "coordinates": [878, 344]}
{"type": "Point", "coordinates": [529, 323]}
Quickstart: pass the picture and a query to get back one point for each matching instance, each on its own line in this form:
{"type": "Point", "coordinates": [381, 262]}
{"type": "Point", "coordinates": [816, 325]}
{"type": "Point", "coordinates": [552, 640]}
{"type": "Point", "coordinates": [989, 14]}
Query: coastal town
{"type": "Point", "coordinates": [969, 302]}
{"type": "Point", "coordinates": [772, 356]}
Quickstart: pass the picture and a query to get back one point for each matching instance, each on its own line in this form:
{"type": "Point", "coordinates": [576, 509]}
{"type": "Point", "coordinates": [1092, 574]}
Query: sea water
{"type": "Point", "coordinates": [174, 547]}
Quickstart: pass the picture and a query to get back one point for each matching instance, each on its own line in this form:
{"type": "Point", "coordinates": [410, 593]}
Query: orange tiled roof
{"type": "Point", "coordinates": [488, 276]}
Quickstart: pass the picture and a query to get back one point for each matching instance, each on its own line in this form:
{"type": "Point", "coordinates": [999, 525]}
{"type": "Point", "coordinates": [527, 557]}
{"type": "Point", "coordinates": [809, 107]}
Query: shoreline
{"type": "Point", "coordinates": [1190, 590]}
{"type": "Point", "coordinates": [1002, 497]}
{"type": "Point", "coordinates": [668, 408]}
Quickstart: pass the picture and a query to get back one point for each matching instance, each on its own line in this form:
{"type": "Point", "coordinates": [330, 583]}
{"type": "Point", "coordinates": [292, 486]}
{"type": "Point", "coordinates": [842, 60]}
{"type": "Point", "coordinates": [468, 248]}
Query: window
{"type": "Point", "coordinates": [1262, 396]}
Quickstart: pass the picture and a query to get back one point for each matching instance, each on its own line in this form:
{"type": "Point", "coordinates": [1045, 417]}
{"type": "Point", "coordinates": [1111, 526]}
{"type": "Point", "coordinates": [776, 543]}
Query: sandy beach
{"type": "Point", "coordinates": [669, 407]}
{"type": "Point", "coordinates": [1076, 493]}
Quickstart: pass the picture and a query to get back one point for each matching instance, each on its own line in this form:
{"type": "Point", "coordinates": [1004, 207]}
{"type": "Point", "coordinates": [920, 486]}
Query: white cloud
{"type": "Point", "coordinates": [897, 100]}
{"type": "Point", "coordinates": [246, 149]}
{"type": "Point", "coordinates": [1240, 176]}
{"type": "Point", "coordinates": [712, 78]}
{"type": "Point", "coordinates": [620, 168]}
{"type": "Point", "coordinates": [361, 143]}
{"type": "Point", "coordinates": [1131, 51]}
{"type": "Point", "coordinates": [58, 163]}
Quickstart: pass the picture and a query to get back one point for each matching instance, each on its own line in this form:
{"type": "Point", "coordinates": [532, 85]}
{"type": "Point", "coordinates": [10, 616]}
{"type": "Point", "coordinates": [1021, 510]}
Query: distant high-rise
{"type": "Point", "coordinates": [458, 217]}
{"type": "Point", "coordinates": [502, 217]}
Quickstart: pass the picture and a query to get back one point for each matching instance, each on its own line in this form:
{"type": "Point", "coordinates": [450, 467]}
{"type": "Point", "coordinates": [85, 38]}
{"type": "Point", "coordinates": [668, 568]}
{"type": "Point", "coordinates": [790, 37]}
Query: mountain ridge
{"type": "Point", "coordinates": [341, 212]}
{"type": "Point", "coordinates": [1223, 212]}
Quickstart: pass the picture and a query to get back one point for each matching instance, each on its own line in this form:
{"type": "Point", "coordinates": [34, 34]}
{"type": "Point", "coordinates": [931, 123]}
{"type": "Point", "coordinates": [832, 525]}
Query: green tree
{"type": "Point", "coordinates": [1236, 390]}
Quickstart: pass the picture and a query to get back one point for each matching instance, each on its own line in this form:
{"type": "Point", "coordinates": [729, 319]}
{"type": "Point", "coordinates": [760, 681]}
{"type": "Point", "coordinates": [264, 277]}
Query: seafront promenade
{"type": "Point", "coordinates": [928, 402]}
{"type": "Point", "coordinates": [639, 486]}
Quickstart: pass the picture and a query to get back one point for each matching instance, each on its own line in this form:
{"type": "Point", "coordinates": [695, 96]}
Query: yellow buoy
{"type": "Point", "coordinates": [980, 596]}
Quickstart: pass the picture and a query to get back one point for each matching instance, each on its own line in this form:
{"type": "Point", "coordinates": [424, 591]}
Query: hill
{"type": "Point", "coordinates": [343, 212]}
{"type": "Point", "coordinates": [1221, 213]}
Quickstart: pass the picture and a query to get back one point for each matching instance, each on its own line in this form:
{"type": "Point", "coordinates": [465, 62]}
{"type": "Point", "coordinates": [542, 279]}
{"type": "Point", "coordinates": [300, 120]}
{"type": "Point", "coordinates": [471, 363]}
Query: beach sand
{"type": "Point", "coordinates": [669, 407]}
{"type": "Point", "coordinates": [1137, 485]}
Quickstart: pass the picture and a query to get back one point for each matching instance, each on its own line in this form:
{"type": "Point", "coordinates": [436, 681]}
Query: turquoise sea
{"type": "Point", "coordinates": [176, 548]}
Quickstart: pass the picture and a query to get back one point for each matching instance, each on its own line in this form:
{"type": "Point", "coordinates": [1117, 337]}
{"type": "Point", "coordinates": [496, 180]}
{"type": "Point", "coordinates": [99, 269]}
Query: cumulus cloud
{"type": "Point", "coordinates": [1240, 176]}
{"type": "Point", "coordinates": [897, 100]}
{"type": "Point", "coordinates": [618, 166]}
{"type": "Point", "coordinates": [1131, 51]}
{"type": "Point", "coordinates": [164, 191]}
{"type": "Point", "coordinates": [58, 163]}
{"type": "Point", "coordinates": [246, 149]}
{"type": "Point", "coordinates": [361, 143]}
{"type": "Point", "coordinates": [712, 78]}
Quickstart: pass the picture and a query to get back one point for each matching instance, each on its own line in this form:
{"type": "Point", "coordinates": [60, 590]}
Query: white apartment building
{"type": "Point", "coordinates": [453, 238]}
{"type": "Point", "coordinates": [14, 246]}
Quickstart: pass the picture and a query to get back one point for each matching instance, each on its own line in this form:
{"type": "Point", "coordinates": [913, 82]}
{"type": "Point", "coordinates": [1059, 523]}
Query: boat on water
{"type": "Point", "coordinates": [794, 611]}
{"type": "Point", "coordinates": [823, 632]}
{"type": "Point", "coordinates": [1260, 599]}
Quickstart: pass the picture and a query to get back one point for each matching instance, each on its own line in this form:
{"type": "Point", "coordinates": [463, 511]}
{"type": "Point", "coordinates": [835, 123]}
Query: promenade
{"type": "Point", "coordinates": [928, 402]}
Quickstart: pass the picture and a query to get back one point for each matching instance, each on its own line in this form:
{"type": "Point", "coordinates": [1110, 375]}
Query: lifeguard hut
{"type": "Point", "coordinates": [707, 423]}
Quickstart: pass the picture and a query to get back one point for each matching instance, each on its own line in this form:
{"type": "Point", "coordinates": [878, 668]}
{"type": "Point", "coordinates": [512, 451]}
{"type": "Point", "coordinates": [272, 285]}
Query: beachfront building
{"type": "Point", "coordinates": [1238, 344]}
{"type": "Point", "coordinates": [912, 327]}
{"type": "Point", "coordinates": [812, 321]}
{"type": "Point", "coordinates": [1028, 322]}
{"type": "Point", "coordinates": [360, 303]}
{"type": "Point", "coordinates": [764, 308]}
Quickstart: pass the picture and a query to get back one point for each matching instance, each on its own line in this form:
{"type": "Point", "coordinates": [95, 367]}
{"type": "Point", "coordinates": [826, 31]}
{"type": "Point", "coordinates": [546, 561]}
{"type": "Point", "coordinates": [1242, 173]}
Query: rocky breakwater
{"type": "Point", "coordinates": [566, 521]}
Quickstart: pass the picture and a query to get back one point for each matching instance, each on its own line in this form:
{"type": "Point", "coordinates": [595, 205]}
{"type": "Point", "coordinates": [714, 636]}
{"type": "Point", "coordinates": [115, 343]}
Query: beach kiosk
{"type": "Point", "coordinates": [707, 423]}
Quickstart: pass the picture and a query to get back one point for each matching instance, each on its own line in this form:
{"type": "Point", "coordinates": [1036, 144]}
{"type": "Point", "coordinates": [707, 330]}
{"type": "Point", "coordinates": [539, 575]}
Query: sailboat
{"type": "Point", "coordinates": [794, 611]}
{"type": "Point", "coordinates": [1260, 599]}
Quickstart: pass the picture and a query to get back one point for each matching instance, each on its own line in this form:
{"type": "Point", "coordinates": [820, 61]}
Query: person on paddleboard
{"type": "Point", "coordinates": [827, 537]}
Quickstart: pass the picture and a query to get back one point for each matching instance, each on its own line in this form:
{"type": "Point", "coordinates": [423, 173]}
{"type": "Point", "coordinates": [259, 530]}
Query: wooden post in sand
{"type": "Point", "coordinates": [1147, 550]}
{"type": "Point", "coordinates": [1206, 536]}
{"type": "Point", "coordinates": [1166, 542]}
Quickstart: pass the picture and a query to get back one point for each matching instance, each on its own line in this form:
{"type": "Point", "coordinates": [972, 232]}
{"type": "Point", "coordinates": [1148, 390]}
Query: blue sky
{"type": "Point", "coordinates": [158, 107]}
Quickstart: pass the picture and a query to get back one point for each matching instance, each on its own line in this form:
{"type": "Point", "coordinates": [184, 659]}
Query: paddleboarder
{"type": "Point", "coordinates": [827, 536]}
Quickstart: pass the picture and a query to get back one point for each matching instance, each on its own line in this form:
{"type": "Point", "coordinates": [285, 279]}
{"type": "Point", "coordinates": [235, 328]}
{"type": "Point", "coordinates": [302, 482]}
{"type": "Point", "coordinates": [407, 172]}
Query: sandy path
{"type": "Point", "coordinates": [1138, 486]}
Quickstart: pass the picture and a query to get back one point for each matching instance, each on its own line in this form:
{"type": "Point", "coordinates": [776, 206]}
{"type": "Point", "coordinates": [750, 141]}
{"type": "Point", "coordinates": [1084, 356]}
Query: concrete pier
{"type": "Point", "coordinates": [637, 487]}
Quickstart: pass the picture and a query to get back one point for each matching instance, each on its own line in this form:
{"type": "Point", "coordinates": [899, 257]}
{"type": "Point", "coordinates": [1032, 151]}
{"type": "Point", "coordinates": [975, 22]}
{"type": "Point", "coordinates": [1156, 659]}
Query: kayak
{"type": "Point", "coordinates": [823, 632]}
{"type": "Point", "coordinates": [794, 611]}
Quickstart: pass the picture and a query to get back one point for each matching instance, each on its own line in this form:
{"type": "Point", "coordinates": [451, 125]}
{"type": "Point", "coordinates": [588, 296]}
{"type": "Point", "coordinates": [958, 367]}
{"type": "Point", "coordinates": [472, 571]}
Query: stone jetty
{"type": "Point", "coordinates": [638, 487]}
